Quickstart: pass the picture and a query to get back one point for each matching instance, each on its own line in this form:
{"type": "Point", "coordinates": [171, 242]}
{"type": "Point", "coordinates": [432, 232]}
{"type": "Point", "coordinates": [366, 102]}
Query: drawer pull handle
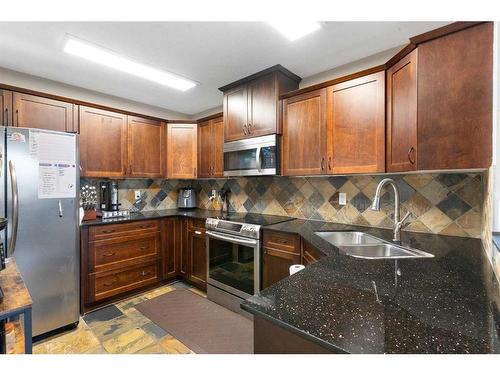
{"type": "Point", "coordinates": [197, 232]}
{"type": "Point", "coordinates": [145, 226]}
{"type": "Point", "coordinates": [144, 273]}
{"type": "Point", "coordinates": [410, 153]}
{"type": "Point", "coordinates": [111, 283]}
{"type": "Point", "coordinates": [108, 231]}
{"type": "Point", "coordinates": [144, 247]}
{"type": "Point", "coordinates": [108, 254]}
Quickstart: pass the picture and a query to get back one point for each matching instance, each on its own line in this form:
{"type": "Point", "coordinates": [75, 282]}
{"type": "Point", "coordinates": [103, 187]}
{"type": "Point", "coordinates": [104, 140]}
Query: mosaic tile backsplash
{"type": "Point", "coordinates": [448, 204]}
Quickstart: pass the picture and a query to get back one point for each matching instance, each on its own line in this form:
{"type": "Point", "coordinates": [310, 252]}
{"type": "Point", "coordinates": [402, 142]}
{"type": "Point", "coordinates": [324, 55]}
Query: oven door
{"type": "Point", "coordinates": [233, 263]}
{"type": "Point", "coordinates": [251, 157]}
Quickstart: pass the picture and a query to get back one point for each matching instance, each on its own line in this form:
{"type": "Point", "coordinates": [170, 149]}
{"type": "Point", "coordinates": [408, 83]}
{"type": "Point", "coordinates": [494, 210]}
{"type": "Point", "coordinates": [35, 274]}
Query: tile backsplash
{"type": "Point", "coordinates": [448, 203]}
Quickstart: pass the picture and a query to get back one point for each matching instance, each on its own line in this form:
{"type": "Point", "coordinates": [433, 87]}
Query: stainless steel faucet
{"type": "Point", "coordinates": [398, 224]}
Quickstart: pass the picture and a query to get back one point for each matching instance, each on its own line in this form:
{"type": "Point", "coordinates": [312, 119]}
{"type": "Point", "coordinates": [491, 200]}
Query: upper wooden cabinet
{"type": "Point", "coordinates": [182, 151]}
{"type": "Point", "coordinates": [146, 148]}
{"type": "Point", "coordinates": [251, 104]}
{"type": "Point", "coordinates": [455, 84]}
{"type": "Point", "coordinates": [32, 111]}
{"type": "Point", "coordinates": [356, 125]}
{"type": "Point", "coordinates": [401, 115]}
{"type": "Point", "coordinates": [210, 148]}
{"type": "Point", "coordinates": [304, 134]}
{"type": "Point", "coordinates": [103, 143]}
{"type": "Point", "coordinates": [6, 107]}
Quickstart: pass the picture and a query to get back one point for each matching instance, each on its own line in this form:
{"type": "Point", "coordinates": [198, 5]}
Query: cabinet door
{"type": "Point", "coordinates": [182, 261]}
{"type": "Point", "coordinates": [146, 148]}
{"type": "Point", "coordinates": [276, 265]}
{"type": "Point", "coordinates": [455, 88]}
{"type": "Point", "coordinates": [182, 150]}
{"type": "Point", "coordinates": [304, 134]}
{"type": "Point", "coordinates": [206, 149]}
{"type": "Point", "coordinates": [356, 120]}
{"type": "Point", "coordinates": [171, 234]}
{"type": "Point", "coordinates": [262, 102]}
{"type": "Point", "coordinates": [197, 257]}
{"type": "Point", "coordinates": [402, 115]}
{"type": "Point", "coordinates": [103, 143]}
{"type": "Point", "coordinates": [32, 111]}
{"type": "Point", "coordinates": [218, 147]}
{"type": "Point", "coordinates": [235, 114]}
{"type": "Point", "coordinates": [6, 107]}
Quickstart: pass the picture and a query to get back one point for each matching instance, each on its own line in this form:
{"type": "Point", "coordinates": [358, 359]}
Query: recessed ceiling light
{"type": "Point", "coordinates": [294, 30]}
{"type": "Point", "coordinates": [112, 60]}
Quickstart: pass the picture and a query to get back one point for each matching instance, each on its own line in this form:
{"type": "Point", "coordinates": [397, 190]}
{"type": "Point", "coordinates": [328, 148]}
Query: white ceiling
{"type": "Point", "coordinates": [211, 53]}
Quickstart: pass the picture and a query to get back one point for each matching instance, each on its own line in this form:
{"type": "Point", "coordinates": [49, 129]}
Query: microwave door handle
{"type": "Point", "coordinates": [15, 207]}
{"type": "Point", "coordinates": [258, 160]}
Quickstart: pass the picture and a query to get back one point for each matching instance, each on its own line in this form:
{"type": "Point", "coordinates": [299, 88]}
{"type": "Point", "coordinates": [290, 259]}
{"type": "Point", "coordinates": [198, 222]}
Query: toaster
{"type": "Point", "coordinates": [187, 198]}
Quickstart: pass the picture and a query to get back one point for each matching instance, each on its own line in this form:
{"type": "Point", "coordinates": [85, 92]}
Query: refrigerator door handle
{"type": "Point", "coordinates": [15, 207]}
{"type": "Point", "coordinates": [60, 209]}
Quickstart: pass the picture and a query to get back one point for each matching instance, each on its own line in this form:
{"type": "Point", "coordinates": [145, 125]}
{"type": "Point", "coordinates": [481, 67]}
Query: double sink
{"type": "Point", "coordinates": [362, 245]}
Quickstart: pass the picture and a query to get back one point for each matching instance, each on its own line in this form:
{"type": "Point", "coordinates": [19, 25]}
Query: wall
{"type": "Point", "coordinates": [26, 81]}
{"type": "Point", "coordinates": [448, 204]}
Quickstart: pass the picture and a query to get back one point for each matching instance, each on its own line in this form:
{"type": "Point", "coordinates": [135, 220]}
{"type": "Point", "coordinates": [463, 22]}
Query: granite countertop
{"type": "Point", "coordinates": [148, 215]}
{"type": "Point", "coordinates": [446, 304]}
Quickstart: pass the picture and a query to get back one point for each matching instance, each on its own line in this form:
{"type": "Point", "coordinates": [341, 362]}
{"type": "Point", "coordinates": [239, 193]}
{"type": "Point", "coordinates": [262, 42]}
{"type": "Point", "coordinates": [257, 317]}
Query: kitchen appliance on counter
{"type": "Point", "coordinates": [234, 257]}
{"type": "Point", "coordinates": [252, 157]}
{"type": "Point", "coordinates": [186, 198]}
{"type": "Point", "coordinates": [39, 185]}
{"type": "Point", "coordinates": [108, 201]}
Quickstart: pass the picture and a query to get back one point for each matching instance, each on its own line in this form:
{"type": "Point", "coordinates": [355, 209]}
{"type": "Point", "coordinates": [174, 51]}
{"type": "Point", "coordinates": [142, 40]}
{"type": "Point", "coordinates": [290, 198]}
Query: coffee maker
{"type": "Point", "coordinates": [108, 196]}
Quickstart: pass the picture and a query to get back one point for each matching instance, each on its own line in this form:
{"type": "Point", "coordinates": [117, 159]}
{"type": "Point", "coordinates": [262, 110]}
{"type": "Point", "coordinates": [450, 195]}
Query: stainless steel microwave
{"type": "Point", "coordinates": [252, 157]}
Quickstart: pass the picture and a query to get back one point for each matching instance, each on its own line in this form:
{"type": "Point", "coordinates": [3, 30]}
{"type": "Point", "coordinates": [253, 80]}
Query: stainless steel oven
{"type": "Point", "coordinates": [233, 263]}
{"type": "Point", "coordinates": [252, 157]}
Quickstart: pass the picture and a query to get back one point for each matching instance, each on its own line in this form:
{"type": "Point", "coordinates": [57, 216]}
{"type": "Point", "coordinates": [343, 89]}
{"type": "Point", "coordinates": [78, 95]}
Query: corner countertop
{"type": "Point", "coordinates": [446, 304]}
{"type": "Point", "coordinates": [159, 214]}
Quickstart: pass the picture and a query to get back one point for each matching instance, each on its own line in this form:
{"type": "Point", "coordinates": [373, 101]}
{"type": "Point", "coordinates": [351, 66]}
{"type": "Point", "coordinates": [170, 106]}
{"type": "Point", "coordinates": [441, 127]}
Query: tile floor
{"type": "Point", "coordinates": [118, 329]}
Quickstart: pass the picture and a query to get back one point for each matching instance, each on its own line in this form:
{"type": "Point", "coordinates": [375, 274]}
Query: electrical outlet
{"type": "Point", "coordinates": [137, 194]}
{"type": "Point", "coordinates": [342, 199]}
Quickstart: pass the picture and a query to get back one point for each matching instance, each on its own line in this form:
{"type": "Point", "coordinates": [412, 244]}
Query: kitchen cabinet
{"type": "Point", "coordinates": [32, 111]}
{"type": "Point", "coordinates": [197, 254]}
{"type": "Point", "coordinates": [250, 105]}
{"type": "Point", "coordinates": [281, 250]}
{"type": "Point", "coordinates": [454, 95]}
{"type": "Point", "coordinates": [146, 147]}
{"type": "Point", "coordinates": [117, 259]}
{"type": "Point", "coordinates": [401, 112]}
{"type": "Point", "coordinates": [103, 143]}
{"type": "Point", "coordinates": [356, 125]}
{"type": "Point", "coordinates": [309, 254]}
{"type": "Point", "coordinates": [171, 229]}
{"type": "Point", "coordinates": [304, 142]}
{"type": "Point", "coordinates": [6, 107]}
{"type": "Point", "coordinates": [182, 151]}
{"type": "Point", "coordinates": [211, 148]}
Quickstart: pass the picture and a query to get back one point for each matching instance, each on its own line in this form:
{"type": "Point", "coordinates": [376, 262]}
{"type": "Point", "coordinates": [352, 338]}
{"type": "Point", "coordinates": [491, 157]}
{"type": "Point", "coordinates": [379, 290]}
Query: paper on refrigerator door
{"type": "Point", "coordinates": [56, 156]}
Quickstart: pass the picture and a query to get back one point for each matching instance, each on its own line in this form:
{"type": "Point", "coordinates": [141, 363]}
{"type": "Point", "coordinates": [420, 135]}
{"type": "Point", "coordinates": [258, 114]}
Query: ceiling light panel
{"type": "Point", "coordinates": [294, 30]}
{"type": "Point", "coordinates": [112, 60]}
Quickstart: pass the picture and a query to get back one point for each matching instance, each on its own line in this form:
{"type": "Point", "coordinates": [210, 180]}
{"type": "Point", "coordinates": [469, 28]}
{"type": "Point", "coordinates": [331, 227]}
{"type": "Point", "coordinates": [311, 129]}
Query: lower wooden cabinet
{"type": "Point", "coordinates": [309, 254]}
{"type": "Point", "coordinates": [281, 250]}
{"type": "Point", "coordinates": [197, 254]}
{"type": "Point", "coordinates": [171, 239]}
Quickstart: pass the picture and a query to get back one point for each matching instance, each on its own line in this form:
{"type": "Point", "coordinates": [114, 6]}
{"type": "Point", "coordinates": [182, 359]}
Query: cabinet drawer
{"type": "Point", "coordinates": [282, 241]}
{"type": "Point", "coordinates": [107, 284]}
{"type": "Point", "coordinates": [124, 251]}
{"type": "Point", "coordinates": [310, 255]}
{"type": "Point", "coordinates": [98, 232]}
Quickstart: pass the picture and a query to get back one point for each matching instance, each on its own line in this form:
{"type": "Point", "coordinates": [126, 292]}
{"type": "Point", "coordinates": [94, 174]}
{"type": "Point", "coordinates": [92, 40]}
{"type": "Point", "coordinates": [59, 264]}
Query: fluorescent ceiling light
{"type": "Point", "coordinates": [104, 57]}
{"type": "Point", "coordinates": [294, 30]}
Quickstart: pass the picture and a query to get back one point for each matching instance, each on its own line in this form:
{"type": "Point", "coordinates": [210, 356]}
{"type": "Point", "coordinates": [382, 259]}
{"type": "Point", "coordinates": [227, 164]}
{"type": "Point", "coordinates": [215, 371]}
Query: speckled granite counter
{"type": "Point", "coordinates": [148, 215]}
{"type": "Point", "coordinates": [445, 304]}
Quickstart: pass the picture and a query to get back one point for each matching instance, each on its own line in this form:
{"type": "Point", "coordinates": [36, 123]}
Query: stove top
{"type": "Point", "coordinates": [246, 225]}
{"type": "Point", "coordinates": [255, 219]}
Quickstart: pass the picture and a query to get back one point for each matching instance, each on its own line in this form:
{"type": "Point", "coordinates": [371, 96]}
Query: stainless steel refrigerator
{"type": "Point", "coordinates": [39, 183]}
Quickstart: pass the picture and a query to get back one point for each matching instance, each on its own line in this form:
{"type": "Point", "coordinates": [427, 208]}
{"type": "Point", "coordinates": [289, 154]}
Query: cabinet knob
{"type": "Point", "coordinates": [249, 128]}
{"type": "Point", "coordinates": [330, 163]}
{"type": "Point", "coordinates": [322, 164]}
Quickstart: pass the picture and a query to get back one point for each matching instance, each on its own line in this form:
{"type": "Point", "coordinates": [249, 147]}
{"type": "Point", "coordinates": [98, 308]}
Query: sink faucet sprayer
{"type": "Point", "coordinates": [398, 224]}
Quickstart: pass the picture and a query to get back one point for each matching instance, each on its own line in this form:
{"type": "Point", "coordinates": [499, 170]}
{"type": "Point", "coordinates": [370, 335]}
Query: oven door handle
{"type": "Point", "coordinates": [231, 239]}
